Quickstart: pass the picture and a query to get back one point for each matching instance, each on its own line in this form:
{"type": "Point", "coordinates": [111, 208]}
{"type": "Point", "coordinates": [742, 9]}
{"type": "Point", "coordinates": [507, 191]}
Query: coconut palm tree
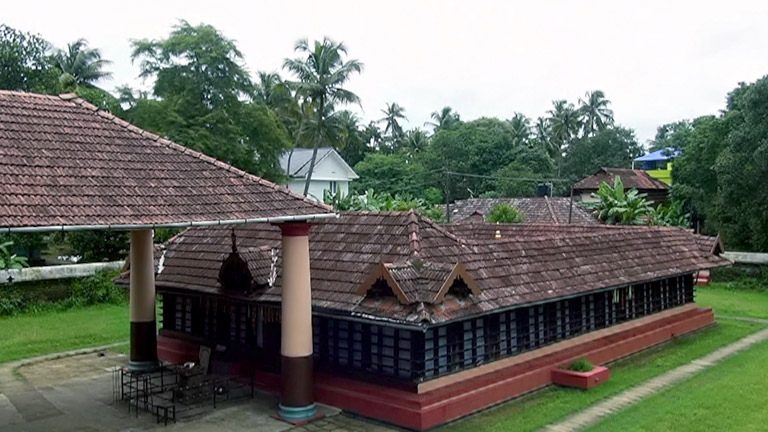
{"type": "Point", "coordinates": [521, 129]}
{"type": "Point", "coordinates": [595, 113]}
{"type": "Point", "coordinates": [564, 123]}
{"type": "Point", "coordinates": [393, 113]}
{"type": "Point", "coordinates": [541, 132]}
{"type": "Point", "coordinates": [80, 65]}
{"type": "Point", "coordinates": [322, 72]}
{"type": "Point", "coordinates": [416, 141]}
{"type": "Point", "coordinates": [444, 118]}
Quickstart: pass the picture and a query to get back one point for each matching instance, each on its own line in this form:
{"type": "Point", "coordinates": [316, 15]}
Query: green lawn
{"type": "Point", "coordinates": [729, 396]}
{"type": "Point", "coordinates": [34, 334]}
{"type": "Point", "coordinates": [726, 299]}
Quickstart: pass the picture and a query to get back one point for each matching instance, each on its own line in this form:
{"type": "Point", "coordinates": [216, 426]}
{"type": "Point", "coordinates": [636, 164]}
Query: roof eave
{"type": "Point", "coordinates": [185, 224]}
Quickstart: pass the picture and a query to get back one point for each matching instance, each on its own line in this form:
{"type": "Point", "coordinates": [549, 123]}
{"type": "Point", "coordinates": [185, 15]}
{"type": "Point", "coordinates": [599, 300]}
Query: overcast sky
{"type": "Point", "coordinates": [657, 62]}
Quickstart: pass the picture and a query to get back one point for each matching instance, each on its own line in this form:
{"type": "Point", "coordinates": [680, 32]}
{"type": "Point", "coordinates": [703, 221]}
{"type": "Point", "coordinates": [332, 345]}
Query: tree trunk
{"type": "Point", "coordinates": [317, 142]}
{"type": "Point", "coordinates": [295, 144]}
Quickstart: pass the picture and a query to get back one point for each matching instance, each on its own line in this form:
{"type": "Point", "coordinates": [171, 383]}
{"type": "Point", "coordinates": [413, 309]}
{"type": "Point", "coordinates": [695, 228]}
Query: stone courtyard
{"type": "Point", "coordinates": [75, 393]}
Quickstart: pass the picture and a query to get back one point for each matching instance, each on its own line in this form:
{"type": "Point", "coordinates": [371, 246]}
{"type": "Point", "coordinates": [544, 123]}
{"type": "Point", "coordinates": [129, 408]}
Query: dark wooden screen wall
{"type": "Point", "coordinates": [413, 355]}
{"type": "Point", "coordinates": [339, 344]}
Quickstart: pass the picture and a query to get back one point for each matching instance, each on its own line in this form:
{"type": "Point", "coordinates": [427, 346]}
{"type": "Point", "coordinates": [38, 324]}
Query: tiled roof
{"type": "Point", "coordinates": [632, 179]}
{"type": "Point", "coordinates": [528, 264]}
{"type": "Point", "coordinates": [538, 210]}
{"type": "Point", "coordinates": [710, 244]}
{"type": "Point", "coordinates": [64, 162]}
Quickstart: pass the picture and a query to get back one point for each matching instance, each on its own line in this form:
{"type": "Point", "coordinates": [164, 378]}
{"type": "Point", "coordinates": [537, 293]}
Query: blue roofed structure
{"type": "Point", "coordinates": [658, 164]}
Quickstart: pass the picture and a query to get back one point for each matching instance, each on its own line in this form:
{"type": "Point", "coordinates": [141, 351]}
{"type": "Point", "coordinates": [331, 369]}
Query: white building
{"type": "Point", "coordinates": [331, 171]}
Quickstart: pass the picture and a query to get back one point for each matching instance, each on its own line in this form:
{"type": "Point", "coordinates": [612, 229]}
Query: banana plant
{"type": "Point", "coordinates": [9, 261]}
{"type": "Point", "coordinates": [614, 206]}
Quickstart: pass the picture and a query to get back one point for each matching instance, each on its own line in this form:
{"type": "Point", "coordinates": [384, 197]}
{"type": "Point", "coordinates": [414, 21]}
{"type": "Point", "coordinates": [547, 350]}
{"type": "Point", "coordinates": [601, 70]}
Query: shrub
{"type": "Point", "coordinates": [98, 288]}
{"type": "Point", "coordinates": [580, 364]}
{"type": "Point", "coordinates": [505, 213]}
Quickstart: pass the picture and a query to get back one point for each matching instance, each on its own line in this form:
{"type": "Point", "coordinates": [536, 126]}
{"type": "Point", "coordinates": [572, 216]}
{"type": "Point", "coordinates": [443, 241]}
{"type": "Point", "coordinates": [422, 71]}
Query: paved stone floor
{"type": "Point", "coordinates": [74, 393]}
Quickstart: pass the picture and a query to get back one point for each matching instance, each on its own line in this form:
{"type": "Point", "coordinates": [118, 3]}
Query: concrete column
{"type": "Point", "coordinates": [142, 302]}
{"type": "Point", "coordinates": [297, 401]}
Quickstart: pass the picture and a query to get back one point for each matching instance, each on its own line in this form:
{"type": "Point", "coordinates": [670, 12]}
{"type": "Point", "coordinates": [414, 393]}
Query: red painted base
{"type": "Point", "coordinates": [448, 398]}
{"type": "Point", "coordinates": [580, 380]}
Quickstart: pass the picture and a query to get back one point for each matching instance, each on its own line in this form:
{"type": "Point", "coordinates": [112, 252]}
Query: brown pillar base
{"type": "Point", "coordinates": [297, 400]}
{"type": "Point", "coordinates": [143, 346]}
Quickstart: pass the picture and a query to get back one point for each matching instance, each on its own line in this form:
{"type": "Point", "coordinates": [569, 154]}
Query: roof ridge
{"type": "Point", "coordinates": [551, 210]}
{"type": "Point", "coordinates": [178, 147]}
{"type": "Point", "coordinates": [414, 239]}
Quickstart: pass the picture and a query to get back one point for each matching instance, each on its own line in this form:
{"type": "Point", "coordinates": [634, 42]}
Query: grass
{"type": "Point", "coordinates": [727, 299]}
{"type": "Point", "coordinates": [546, 406]}
{"type": "Point", "coordinates": [728, 396]}
{"type": "Point", "coordinates": [34, 334]}
{"type": "Point", "coordinates": [553, 403]}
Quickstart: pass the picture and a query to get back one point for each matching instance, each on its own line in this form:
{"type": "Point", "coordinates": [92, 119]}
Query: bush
{"type": "Point", "coordinates": [28, 297]}
{"type": "Point", "coordinates": [580, 364]}
{"type": "Point", "coordinates": [505, 213]}
{"type": "Point", "coordinates": [11, 305]}
{"type": "Point", "coordinates": [98, 288]}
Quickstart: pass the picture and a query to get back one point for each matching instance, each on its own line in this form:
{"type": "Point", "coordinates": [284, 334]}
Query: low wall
{"type": "Point", "coordinates": [34, 274]}
{"type": "Point", "coordinates": [753, 258]}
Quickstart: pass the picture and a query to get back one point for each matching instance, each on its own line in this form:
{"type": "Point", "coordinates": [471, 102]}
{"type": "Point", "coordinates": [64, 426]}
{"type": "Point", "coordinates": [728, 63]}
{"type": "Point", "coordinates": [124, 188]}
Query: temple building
{"type": "Point", "coordinates": [418, 324]}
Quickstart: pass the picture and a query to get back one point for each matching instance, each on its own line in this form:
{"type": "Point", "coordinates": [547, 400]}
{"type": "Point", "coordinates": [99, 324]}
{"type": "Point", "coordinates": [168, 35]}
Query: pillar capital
{"type": "Point", "coordinates": [295, 229]}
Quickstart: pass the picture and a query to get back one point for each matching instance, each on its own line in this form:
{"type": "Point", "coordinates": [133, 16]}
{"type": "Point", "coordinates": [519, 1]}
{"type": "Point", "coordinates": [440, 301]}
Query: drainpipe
{"type": "Point", "coordinates": [297, 401]}
{"type": "Point", "coordinates": [142, 303]}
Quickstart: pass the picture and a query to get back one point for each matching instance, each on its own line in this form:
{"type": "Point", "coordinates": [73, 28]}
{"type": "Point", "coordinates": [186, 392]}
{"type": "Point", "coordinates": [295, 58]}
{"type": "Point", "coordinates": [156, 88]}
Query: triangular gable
{"type": "Point", "coordinates": [459, 271]}
{"type": "Point", "coordinates": [380, 271]}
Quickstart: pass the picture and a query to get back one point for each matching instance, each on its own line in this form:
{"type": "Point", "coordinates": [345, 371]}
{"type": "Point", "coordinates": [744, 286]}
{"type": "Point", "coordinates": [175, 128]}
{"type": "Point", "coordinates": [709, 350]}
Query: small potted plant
{"type": "Point", "coordinates": [580, 373]}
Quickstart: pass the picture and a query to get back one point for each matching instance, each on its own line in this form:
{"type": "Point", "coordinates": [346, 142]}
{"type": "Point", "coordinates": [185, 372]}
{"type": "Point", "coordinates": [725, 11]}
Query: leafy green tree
{"type": "Point", "coordinates": [527, 163]}
{"type": "Point", "coordinates": [615, 147]}
{"type": "Point", "coordinates": [479, 148]}
{"type": "Point", "coordinates": [389, 173]}
{"type": "Point", "coordinates": [505, 213]}
{"type": "Point", "coordinates": [617, 207]}
{"type": "Point", "coordinates": [322, 72]}
{"type": "Point", "coordinates": [674, 135]}
{"type": "Point", "coordinates": [596, 116]}
{"type": "Point", "coordinates": [80, 65]}
{"type": "Point", "coordinates": [444, 118]}
{"type": "Point", "coordinates": [25, 63]}
{"type": "Point", "coordinates": [203, 99]}
{"type": "Point", "coordinates": [741, 203]}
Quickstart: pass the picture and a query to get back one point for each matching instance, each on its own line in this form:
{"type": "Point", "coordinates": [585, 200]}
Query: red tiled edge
{"type": "Point", "coordinates": [441, 404]}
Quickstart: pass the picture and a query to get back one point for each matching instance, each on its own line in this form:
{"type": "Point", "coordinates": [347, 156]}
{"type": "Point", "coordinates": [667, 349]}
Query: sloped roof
{"type": "Point", "coordinates": [632, 179]}
{"type": "Point", "coordinates": [529, 263]}
{"type": "Point", "coordinates": [536, 210]}
{"type": "Point", "coordinates": [660, 155]}
{"type": "Point", "coordinates": [301, 158]}
{"type": "Point", "coordinates": [65, 163]}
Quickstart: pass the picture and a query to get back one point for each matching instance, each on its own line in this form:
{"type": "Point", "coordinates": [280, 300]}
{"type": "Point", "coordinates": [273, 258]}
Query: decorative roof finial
{"type": "Point", "coordinates": [234, 241]}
